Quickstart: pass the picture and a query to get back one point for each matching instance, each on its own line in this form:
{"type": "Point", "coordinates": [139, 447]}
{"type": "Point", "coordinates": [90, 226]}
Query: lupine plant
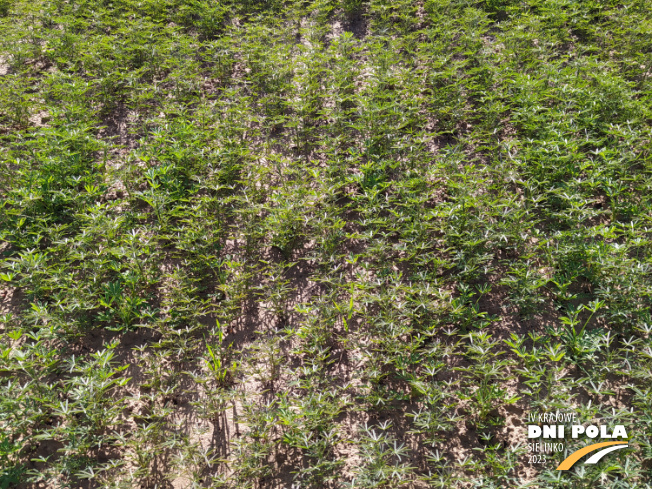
{"type": "Point", "coordinates": [323, 243]}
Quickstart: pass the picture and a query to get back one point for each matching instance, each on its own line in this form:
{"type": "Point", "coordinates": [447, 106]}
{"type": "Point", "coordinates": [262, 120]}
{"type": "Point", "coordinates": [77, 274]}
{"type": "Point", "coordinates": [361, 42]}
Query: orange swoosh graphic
{"type": "Point", "coordinates": [575, 456]}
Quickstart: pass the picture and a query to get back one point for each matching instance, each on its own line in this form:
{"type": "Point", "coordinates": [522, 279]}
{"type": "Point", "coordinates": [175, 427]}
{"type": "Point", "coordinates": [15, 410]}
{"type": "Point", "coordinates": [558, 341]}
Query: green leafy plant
{"type": "Point", "coordinates": [414, 221]}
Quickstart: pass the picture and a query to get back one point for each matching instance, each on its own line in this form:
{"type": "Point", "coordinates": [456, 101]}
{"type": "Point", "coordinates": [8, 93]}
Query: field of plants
{"type": "Point", "coordinates": [265, 244]}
